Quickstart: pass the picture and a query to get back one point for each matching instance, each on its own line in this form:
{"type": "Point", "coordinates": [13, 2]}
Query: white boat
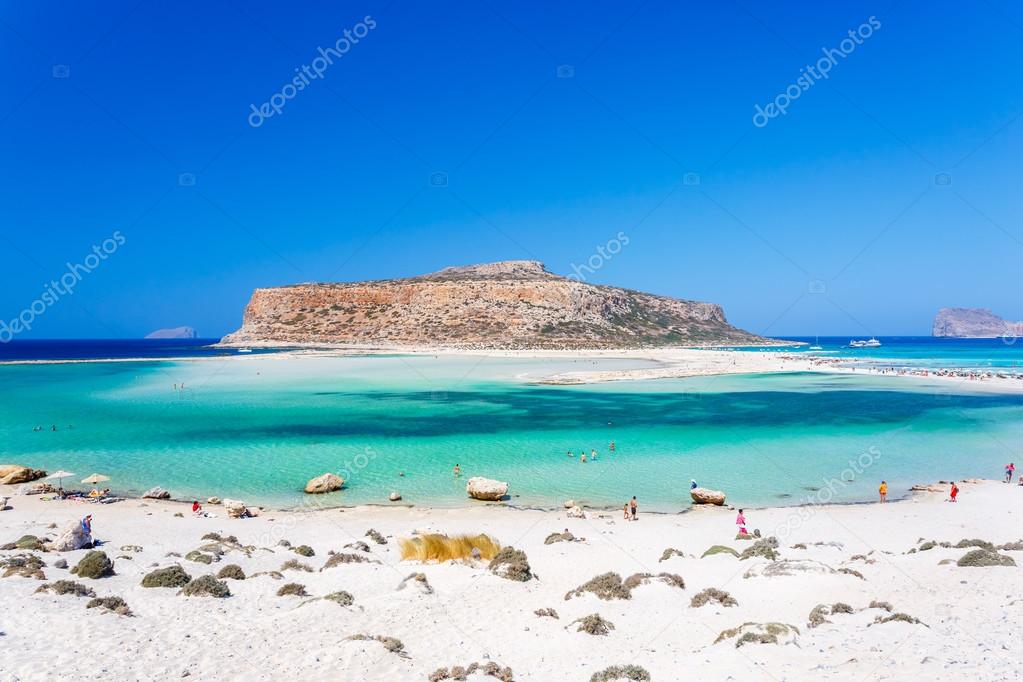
{"type": "Point", "coordinates": [817, 344]}
{"type": "Point", "coordinates": [870, 343]}
{"type": "Point", "coordinates": [244, 350]}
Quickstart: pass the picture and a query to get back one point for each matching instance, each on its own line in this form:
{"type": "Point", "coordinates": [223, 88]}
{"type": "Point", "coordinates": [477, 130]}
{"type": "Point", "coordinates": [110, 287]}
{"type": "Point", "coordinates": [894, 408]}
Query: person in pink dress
{"type": "Point", "coordinates": [740, 521]}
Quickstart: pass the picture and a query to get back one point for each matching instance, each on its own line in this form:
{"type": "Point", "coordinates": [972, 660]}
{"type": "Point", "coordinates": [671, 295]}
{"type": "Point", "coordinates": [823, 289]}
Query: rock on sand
{"type": "Point", "coordinates": [480, 488]}
{"type": "Point", "coordinates": [11, 474]}
{"type": "Point", "coordinates": [156, 493]}
{"type": "Point", "coordinates": [707, 496]}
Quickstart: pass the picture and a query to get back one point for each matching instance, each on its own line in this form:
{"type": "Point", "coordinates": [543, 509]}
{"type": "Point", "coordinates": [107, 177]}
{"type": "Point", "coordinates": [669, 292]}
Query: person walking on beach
{"type": "Point", "coordinates": [1010, 469]}
{"type": "Point", "coordinates": [883, 491]}
{"type": "Point", "coordinates": [626, 511]}
{"type": "Point", "coordinates": [740, 521]}
{"type": "Point", "coordinates": [953, 493]}
{"type": "Point", "coordinates": [632, 508]}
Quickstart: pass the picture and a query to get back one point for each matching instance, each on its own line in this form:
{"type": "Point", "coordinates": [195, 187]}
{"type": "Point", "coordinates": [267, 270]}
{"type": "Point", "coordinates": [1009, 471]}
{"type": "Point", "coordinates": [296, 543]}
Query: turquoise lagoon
{"type": "Point", "coordinates": [256, 428]}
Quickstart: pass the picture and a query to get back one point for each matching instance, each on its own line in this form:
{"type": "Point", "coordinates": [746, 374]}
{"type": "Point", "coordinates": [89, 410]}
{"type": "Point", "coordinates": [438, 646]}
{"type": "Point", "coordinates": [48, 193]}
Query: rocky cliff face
{"type": "Point", "coordinates": [511, 304]}
{"type": "Point", "coordinates": [977, 323]}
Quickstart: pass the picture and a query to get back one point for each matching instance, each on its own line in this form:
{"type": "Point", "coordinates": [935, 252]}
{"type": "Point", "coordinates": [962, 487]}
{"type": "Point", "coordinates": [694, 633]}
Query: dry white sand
{"type": "Point", "coordinates": [972, 615]}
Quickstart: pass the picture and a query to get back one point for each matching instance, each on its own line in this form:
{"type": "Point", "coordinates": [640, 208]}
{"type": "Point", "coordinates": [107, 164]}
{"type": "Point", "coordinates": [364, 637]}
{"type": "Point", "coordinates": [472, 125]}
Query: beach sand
{"type": "Point", "coordinates": [970, 615]}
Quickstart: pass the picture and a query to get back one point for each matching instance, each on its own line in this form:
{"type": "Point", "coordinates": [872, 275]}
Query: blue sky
{"type": "Point", "coordinates": [829, 219]}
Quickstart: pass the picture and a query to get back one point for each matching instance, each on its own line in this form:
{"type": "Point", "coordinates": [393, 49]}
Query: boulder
{"type": "Point", "coordinates": [94, 565]}
{"type": "Point", "coordinates": [212, 500]}
{"type": "Point", "coordinates": [71, 538]}
{"type": "Point", "coordinates": [327, 483]}
{"type": "Point", "coordinates": [570, 503]}
{"type": "Point", "coordinates": [576, 513]}
{"type": "Point", "coordinates": [480, 488]}
{"type": "Point", "coordinates": [394, 497]}
{"type": "Point", "coordinates": [236, 509]}
{"type": "Point", "coordinates": [12, 474]}
{"type": "Point", "coordinates": [707, 496]}
{"type": "Point", "coordinates": [156, 493]}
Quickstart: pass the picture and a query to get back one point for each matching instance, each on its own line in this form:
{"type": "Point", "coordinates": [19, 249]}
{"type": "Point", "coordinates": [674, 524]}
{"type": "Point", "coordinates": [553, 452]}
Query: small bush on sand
{"type": "Point", "coordinates": [457, 672]}
{"type": "Point", "coordinates": [441, 548]}
{"type": "Point", "coordinates": [621, 672]}
{"type": "Point", "coordinates": [875, 604]}
{"type": "Point", "coordinates": [26, 542]}
{"type": "Point", "coordinates": [744, 536]}
{"type": "Point", "coordinates": [231, 572]}
{"type": "Point", "coordinates": [392, 644]}
{"type": "Point", "coordinates": [359, 545]}
{"type": "Point", "coordinates": [985, 557]}
{"type": "Point", "coordinates": [851, 571]}
{"type": "Point", "coordinates": [338, 559]}
{"type": "Point", "coordinates": [340, 598]}
{"type": "Point", "coordinates": [819, 613]}
{"type": "Point", "coordinates": [637, 579]}
{"type": "Point", "coordinates": [606, 586]}
{"type": "Point", "coordinates": [172, 576]}
{"type": "Point", "coordinates": [982, 544]}
{"type": "Point", "coordinates": [94, 565]}
{"type": "Point", "coordinates": [593, 624]}
{"type": "Point", "coordinates": [546, 613]}
{"type": "Point", "coordinates": [376, 537]}
{"type": "Point", "coordinates": [295, 565]}
{"type": "Point", "coordinates": [63, 587]}
{"type": "Point", "coordinates": [417, 579]}
{"type": "Point", "coordinates": [765, 548]}
{"type": "Point", "coordinates": [719, 549]}
{"type": "Point", "coordinates": [292, 590]}
{"type": "Point", "coordinates": [304, 550]}
{"type": "Point", "coordinates": [206, 586]}
{"type": "Point", "coordinates": [670, 552]}
{"type": "Point", "coordinates": [201, 557]}
{"type": "Point", "coordinates": [276, 575]}
{"type": "Point", "coordinates": [217, 537]}
{"type": "Point", "coordinates": [559, 537]}
{"type": "Point", "coordinates": [512, 564]}
{"type": "Point", "coordinates": [898, 617]}
{"type": "Point", "coordinates": [759, 633]}
{"type": "Point", "coordinates": [113, 604]}
{"type": "Point", "coordinates": [23, 565]}
{"type": "Point", "coordinates": [712, 594]}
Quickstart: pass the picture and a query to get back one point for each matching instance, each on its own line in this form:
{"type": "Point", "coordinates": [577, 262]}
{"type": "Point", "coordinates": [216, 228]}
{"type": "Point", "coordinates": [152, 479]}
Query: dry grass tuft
{"type": "Point", "coordinates": [67, 587]}
{"type": "Point", "coordinates": [593, 624]}
{"type": "Point", "coordinates": [441, 548]}
{"type": "Point", "coordinates": [295, 565]}
{"type": "Point", "coordinates": [621, 672]}
{"type": "Point", "coordinates": [342, 558]}
{"type": "Point", "coordinates": [392, 644]}
{"type": "Point", "coordinates": [546, 613]}
{"type": "Point", "coordinates": [292, 590]}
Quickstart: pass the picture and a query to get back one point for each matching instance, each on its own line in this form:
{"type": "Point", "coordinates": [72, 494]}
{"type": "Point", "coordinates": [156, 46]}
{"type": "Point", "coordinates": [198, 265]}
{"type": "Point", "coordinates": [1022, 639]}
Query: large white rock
{"type": "Point", "coordinates": [576, 512]}
{"type": "Point", "coordinates": [236, 509]}
{"type": "Point", "coordinates": [71, 538]}
{"type": "Point", "coordinates": [707, 496]}
{"type": "Point", "coordinates": [480, 488]}
{"type": "Point", "coordinates": [327, 483]}
{"type": "Point", "coordinates": [394, 497]}
{"type": "Point", "coordinates": [156, 493]}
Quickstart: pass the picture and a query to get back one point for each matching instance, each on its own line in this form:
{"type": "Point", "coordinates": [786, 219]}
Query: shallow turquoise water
{"type": "Point", "coordinates": [258, 428]}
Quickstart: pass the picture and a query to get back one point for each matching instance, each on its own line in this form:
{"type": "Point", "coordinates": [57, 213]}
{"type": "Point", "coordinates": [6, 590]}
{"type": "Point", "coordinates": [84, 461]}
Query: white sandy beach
{"type": "Point", "coordinates": [970, 615]}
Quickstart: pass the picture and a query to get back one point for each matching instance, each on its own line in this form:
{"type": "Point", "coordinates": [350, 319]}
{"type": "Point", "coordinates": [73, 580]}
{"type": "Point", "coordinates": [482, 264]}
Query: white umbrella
{"type": "Point", "coordinates": [60, 475]}
{"type": "Point", "coordinates": [95, 478]}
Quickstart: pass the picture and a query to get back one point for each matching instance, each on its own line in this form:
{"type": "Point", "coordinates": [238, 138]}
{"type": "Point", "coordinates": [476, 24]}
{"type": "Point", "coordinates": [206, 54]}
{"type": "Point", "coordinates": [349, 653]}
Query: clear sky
{"type": "Point", "coordinates": [454, 133]}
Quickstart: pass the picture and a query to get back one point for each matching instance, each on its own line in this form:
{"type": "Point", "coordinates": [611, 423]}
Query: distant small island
{"type": "Point", "coordinates": [173, 333]}
{"type": "Point", "coordinates": [973, 323]}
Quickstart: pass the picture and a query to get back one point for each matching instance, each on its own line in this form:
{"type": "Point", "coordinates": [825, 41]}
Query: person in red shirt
{"type": "Point", "coordinates": [196, 507]}
{"type": "Point", "coordinates": [953, 492]}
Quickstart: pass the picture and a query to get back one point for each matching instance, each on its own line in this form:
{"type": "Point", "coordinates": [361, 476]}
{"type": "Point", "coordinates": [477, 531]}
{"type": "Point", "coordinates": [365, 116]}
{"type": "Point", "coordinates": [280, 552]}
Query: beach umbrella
{"type": "Point", "coordinates": [95, 478]}
{"type": "Point", "coordinates": [60, 476]}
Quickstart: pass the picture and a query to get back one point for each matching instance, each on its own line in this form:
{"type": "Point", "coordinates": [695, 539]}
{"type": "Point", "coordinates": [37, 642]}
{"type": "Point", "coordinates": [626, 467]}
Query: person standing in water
{"type": "Point", "coordinates": [582, 458]}
{"type": "Point", "coordinates": [883, 491]}
{"type": "Point", "coordinates": [612, 446]}
{"type": "Point", "coordinates": [458, 471]}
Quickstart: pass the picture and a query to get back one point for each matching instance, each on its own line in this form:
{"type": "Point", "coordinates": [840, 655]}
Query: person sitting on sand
{"type": "Point", "coordinates": [740, 521]}
{"type": "Point", "coordinates": [632, 508]}
{"type": "Point", "coordinates": [196, 507]}
{"type": "Point", "coordinates": [953, 493]}
{"type": "Point", "coordinates": [883, 491]}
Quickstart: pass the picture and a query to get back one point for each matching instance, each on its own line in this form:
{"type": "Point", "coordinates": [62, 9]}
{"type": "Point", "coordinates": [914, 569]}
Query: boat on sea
{"type": "Point", "coordinates": [870, 343]}
{"type": "Point", "coordinates": [244, 350]}
{"type": "Point", "coordinates": [816, 344]}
